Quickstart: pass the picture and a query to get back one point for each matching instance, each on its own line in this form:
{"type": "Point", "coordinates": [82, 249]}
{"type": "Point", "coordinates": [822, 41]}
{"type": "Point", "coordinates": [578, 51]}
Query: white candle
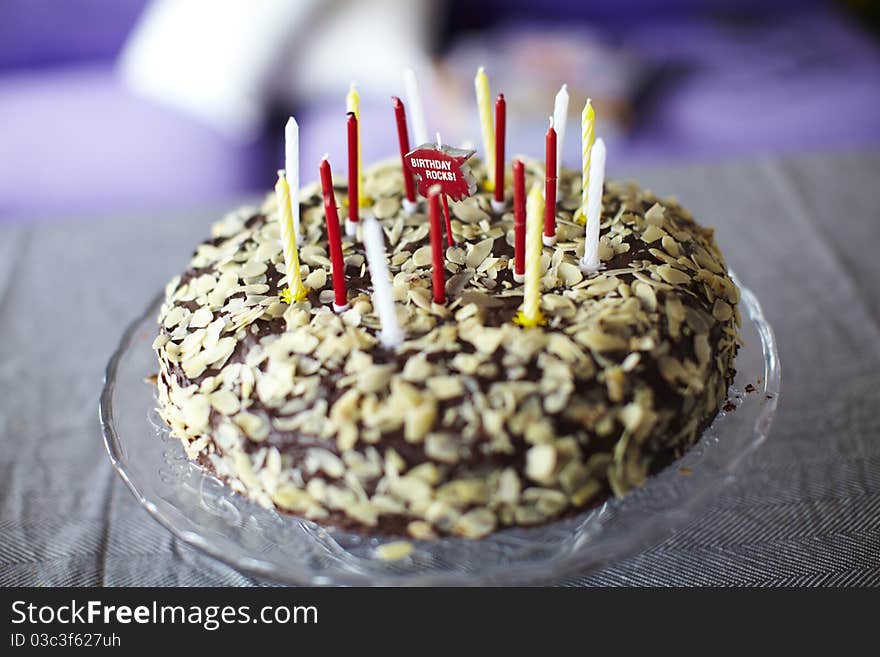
{"type": "Point", "coordinates": [560, 115]}
{"type": "Point", "coordinates": [383, 302]}
{"type": "Point", "coordinates": [590, 263]}
{"type": "Point", "coordinates": [415, 109]}
{"type": "Point", "coordinates": [291, 168]}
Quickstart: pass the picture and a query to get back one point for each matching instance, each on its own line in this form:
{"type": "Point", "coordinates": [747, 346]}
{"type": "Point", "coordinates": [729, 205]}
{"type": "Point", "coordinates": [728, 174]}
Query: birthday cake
{"type": "Point", "coordinates": [472, 422]}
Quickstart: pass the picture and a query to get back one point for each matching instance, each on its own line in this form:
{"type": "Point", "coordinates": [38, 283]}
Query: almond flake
{"type": "Point", "coordinates": [652, 233]}
{"type": "Point", "coordinates": [479, 252]}
{"type": "Point", "coordinates": [445, 387]}
{"type": "Point", "coordinates": [422, 257]}
{"type": "Point", "coordinates": [196, 412]}
{"type": "Point", "coordinates": [394, 551]}
{"type": "Point", "coordinates": [418, 420]}
{"type": "Point", "coordinates": [253, 426]}
{"type": "Point", "coordinates": [655, 215]}
{"type": "Point", "coordinates": [672, 276]}
{"type": "Point", "coordinates": [316, 280]}
{"type": "Point", "coordinates": [540, 462]}
{"type": "Point", "coordinates": [224, 401]}
{"type": "Point", "coordinates": [441, 447]}
{"type": "Point", "coordinates": [722, 311]}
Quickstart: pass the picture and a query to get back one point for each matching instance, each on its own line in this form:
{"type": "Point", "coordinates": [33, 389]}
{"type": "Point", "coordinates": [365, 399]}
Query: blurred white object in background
{"type": "Point", "coordinates": [529, 63]}
{"type": "Point", "coordinates": [212, 60]}
{"type": "Point", "coordinates": [369, 42]}
{"type": "Point", "coordinates": [225, 61]}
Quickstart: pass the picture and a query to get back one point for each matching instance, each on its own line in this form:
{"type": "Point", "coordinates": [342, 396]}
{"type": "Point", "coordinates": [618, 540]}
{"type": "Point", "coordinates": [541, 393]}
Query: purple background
{"type": "Point", "coordinates": [731, 80]}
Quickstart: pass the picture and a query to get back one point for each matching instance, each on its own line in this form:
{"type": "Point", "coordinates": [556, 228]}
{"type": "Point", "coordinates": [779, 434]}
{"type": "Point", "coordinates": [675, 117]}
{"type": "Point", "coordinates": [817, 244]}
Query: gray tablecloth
{"type": "Point", "coordinates": [803, 234]}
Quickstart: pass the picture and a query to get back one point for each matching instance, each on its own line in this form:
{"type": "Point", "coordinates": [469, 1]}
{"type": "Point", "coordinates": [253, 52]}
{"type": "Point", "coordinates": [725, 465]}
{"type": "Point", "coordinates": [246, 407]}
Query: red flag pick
{"type": "Point", "coordinates": [439, 275]}
{"type": "Point", "coordinates": [403, 139]}
{"type": "Point", "coordinates": [550, 186]}
{"type": "Point", "coordinates": [350, 224]}
{"type": "Point", "coordinates": [519, 221]}
{"type": "Point", "coordinates": [334, 240]}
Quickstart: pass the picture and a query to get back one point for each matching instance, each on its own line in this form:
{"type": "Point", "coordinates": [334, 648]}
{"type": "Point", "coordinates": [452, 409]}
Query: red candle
{"type": "Point", "coordinates": [333, 238]}
{"type": "Point", "coordinates": [352, 167]}
{"type": "Point", "coordinates": [500, 129]}
{"type": "Point", "coordinates": [439, 276]}
{"type": "Point", "coordinates": [448, 221]}
{"type": "Point", "coordinates": [519, 220]}
{"type": "Point", "coordinates": [550, 185]}
{"type": "Point", "coordinates": [403, 139]}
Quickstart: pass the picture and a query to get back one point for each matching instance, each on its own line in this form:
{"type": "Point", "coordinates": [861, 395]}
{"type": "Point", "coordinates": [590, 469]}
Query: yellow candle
{"type": "Point", "coordinates": [588, 135]}
{"type": "Point", "coordinates": [531, 315]}
{"type": "Point", "coordinates": [295, 291]}
{"type": "Point", "coordinates": [484, 106]}
{"type": "Point", "coordinates": [353, 104]}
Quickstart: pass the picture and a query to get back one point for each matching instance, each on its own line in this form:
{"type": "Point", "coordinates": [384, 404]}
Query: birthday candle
{"type": "Point", "coordinates": [403, 141]}
{"type": "Point", "coordinates": [500, 129]}
{"type": "Point", "coordinates": [295, 291]}
{"type": "Point", "coordinates": [449, 239]}
{"type": "Point", "coordinates": [484, 106]}
{"type": "Point", "coordinates": [519, 221]}
{"type": "Point", "coordinates": [438, 273]}
{"type": "Point", "coordinates": [560, 117]}
{"type": "Point", "coordinates": [334, 240]}
{"type": "Point", "coordinates": [353, 105]}
{"type": "Point", "coordinates": [590, 263]}
{"type": "Point", "coordinates": [414, 100]}
{"type": "Point", "coordinates": [374, 242]}
{"type": "Point", "coordinates": [550, 186]}
{"type": "Point", "coordinates": [291, 168]}
{"type": "Point", "coordinates": [353, 174]}
{"type": "Point", "coordinates": [588, 127]}
{"type": "Point", "coordinates": [531, 312]}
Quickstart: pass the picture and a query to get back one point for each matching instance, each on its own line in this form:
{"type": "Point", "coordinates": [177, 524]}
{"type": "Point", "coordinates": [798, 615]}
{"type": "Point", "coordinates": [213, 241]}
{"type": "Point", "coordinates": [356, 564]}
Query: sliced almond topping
{"type": "Point", "coordinates": [422, 257]}
{"type": "Point", "coordinates": [541, 462]}
{"type": "Point", "coordinates": [445, 387]}
{"type": "Point", "coordinates": [421, 530]}
{"type": "Point", "coordinates": [655, 215]}
{"type": "Point", "coordinates": [196, 411]}
{"type": "Point", "coordinates": [476, 523]}
{"type": "Point", "coordinates": [316, 280]}
{"type": "Point", "coordinates": [722, 310]}
{"type": "Point", "coordinates": [442, 447]}
{"type": "Point", "coordinates": [673, 276]}
{"type": "Point", "coordinates": [652, 233]}
{"type": "Point", "coordinates": [418, 420]}
{"type": "Point", "coordinates": [394, 551]}
{"type": "Point", "coordinates": [224, 401]}
{"type": "Point", "coordinates": [253, 426]}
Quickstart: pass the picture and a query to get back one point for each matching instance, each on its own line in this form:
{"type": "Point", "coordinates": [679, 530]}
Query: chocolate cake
{"type": "Point", "coordinates": [473, 423]}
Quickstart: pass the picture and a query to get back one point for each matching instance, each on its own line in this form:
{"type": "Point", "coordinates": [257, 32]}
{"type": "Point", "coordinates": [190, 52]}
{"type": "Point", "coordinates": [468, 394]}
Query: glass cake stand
{"type": "Point", "coordinates": [205, 513]}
